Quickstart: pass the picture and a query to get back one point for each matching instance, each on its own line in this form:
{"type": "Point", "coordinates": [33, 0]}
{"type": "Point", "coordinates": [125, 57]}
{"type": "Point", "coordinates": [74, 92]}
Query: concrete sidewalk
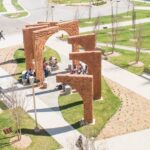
{"type": "Point", "coordinates": [11, 40]}
{"type": "Point", "coordinates": [120, 24]}
{"type": "Point", "coordinates": [49, 118]}
{"type": "Point", "coordinates": [122, 47]}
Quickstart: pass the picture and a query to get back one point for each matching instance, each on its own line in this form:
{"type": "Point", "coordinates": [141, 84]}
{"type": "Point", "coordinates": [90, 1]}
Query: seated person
{"type": "Point", "coordinates": [80, 69]}
{"type": "Point", "coordinates": [85, 71]}
{"type": "Point", "coordinates": [28, 74]}
{"type": "Point", "coordinates": [46, 71]}
{"type": "Point", "coordinates": [74, 69]}
{"type": "Point", "coordinates": [54, 62]}
{"type": "Point", "coordinates": [50, 61]}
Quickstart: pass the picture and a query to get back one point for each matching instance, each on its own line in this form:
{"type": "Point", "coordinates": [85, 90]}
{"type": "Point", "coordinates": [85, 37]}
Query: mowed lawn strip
{"type": "Point", "coordinates": [125, 36]}
{"type": "Point", "coordinates": [71, 107]}
{"type": "Point", "coordinates": [140, 14]}
{"type": "Point", "coordinates": [2, 8]}
{"type": "Point", "coordinates": [42, 140]}
{"type": "Point", "coordinates": [16, 5]}
{"type": "Point", "coordinates": [129, 56]}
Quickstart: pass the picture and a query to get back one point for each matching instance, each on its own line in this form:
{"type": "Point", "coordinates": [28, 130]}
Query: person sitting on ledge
{"type": "Point", "coordinates": [85, 71]}
{"type": "Point", "coordinates": [28, 74]}
{"type": "Point", "coordinates": [46, 71]}
{"type": "Point", "coordinates": [80, 69]}
{"type": "Point", "coordinates": [74, 69]}
{"type": "Point", "coordinates": [54, 62]}
{"type": "Point", "coordinates": [50, 61]}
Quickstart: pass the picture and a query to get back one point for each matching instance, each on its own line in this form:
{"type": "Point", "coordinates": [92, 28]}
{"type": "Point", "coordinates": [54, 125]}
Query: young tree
{"type": "Point", "coordinates": [47, 9]}
{"type": "Point", "coordinates": [114, 27]}
{"type": "Point", "coordinates": [17, 105]}
{"type": "Point", "coordinates": [138, 43]}
{"type": "Point", "coordinates": [133, 19]}
{"type": "Point", "coordinates": [97, 25]}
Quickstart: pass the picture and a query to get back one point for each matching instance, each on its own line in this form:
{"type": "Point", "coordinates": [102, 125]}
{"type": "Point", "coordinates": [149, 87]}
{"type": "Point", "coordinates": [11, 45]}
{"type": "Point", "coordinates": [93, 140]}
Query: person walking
{"type": "Point", "coordinates": [1, 35]}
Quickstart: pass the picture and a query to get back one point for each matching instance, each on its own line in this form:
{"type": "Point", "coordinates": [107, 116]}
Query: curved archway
{"type": "Point", "coordinates": [38, 38]}
{"type": "Point", "coordinates": [87, 41]}
{"type": "Point", "coordinates": [84, 85]}
{"type": "Point", "coordinates": [93, 60]}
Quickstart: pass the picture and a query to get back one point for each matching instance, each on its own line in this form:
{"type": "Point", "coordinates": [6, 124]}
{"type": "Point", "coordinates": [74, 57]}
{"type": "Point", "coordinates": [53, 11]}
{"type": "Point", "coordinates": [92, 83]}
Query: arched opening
{"type": "Point", "coordinates": [38, 40]}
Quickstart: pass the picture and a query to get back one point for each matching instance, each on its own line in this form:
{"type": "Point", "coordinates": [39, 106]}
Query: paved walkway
{"type": "Point", "coordinates": [120, 24]}
{"type": "Point", "coordinates": [122, 47]}
{"type": "Point", "coordinates": [50, 118]}
{"type": "Point", "coordinates": [11, 40]}
{"type": "Point", "coordinates": [8, 5]}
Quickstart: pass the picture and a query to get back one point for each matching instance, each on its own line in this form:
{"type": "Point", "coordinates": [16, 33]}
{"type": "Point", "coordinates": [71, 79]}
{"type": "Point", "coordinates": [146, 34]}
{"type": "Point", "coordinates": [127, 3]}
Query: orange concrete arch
{"type": "Point", "coordinates": [87, 41]}
{"type": "Point", "coordinates": [34, 48]}
{"type": "Point", "coordinates": [28, 43]}
{"type": "Point", "coordinates": [39, 38]}
{"type": "Point", "coordinates": [93, 60]}
{"type": "Point", "coordinates": [84, 85]}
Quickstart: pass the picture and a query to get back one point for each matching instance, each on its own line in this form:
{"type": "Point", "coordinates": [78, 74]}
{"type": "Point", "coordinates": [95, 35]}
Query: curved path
{"type": "Point", "coordinates": [9, 7]}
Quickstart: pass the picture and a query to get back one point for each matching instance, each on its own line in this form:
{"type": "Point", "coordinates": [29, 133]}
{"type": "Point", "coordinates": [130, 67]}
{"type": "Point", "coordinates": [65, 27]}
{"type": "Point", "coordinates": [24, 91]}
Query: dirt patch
{"type": "Point", "coordinates": [23, 143]}
{"type": "Point", "coordinates": [134, 64]}
{"type": "Point", "coordinates": [133, 115]}
{"type": "Point", "coordinates": [7, 61]}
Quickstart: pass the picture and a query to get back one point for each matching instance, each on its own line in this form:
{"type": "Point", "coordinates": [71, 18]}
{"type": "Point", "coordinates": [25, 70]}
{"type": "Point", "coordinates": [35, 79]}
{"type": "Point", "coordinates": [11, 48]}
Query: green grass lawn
{"type": "Point", "coordinates": [121, 17]}
{"type": "Point", "coordinates": [16, 5]}
{"type": "Point", "coordinates": [71, 107]}
{"type": "Point", "coordinates": [40, 141]}
{"type": "Point", "coordinates": [100, 2]}
{"type": "Point", "coordinates": [17, 15]}
{"type": "Point", "coordinates": [20, 58]}
{"type": "Point", "coordinates": [141, 3]}
{"type": "Point", "coordinates": [128, 56]}
{"type": "Point", "coordinates": [2, 8]}
{"type": "Point", "coordinates": [125, 35]}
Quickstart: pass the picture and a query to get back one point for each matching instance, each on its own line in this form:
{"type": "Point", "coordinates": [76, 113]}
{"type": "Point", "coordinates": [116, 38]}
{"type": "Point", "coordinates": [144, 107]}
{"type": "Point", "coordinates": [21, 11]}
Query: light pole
{"type": "Point", "coordinates": [31, 79]}
{"type": "Point", "coordinates": [52, 10]}
{"type": "Point", "coordinates": [90, 9]}
{"type": "Point", "coordinates": [47, 8]}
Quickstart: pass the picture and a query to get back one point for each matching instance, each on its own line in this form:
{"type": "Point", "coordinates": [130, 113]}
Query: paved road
{"type": "Point", "coordinates": [38, 12]}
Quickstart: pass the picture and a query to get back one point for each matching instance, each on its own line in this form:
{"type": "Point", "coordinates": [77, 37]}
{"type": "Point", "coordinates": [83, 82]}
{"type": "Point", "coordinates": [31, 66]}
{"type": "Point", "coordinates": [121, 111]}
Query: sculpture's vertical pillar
{"type": "Point", "coordinates": [28, 48]}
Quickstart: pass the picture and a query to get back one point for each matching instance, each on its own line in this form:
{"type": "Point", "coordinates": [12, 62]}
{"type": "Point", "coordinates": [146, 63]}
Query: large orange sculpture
{"type": "Point", "coordinates": [84, 85]}
{"type": "Point", "coordinates": [35, 39]}
{"type": "Point", "coordinates": [93, 60]}
{"type": "Point", "coordinates": [87, 41]}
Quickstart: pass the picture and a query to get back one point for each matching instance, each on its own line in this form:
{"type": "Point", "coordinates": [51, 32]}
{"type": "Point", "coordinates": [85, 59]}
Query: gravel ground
{"type": "Point", "coordinates": [133, 115]}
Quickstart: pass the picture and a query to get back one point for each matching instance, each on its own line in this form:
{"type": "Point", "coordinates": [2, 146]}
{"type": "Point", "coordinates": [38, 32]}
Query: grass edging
{"type": "Point", "coordinates": [71, 107]}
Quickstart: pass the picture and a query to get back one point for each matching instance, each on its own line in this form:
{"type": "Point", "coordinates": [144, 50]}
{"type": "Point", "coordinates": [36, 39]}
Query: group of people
{"type": "Point", "coordinates": [26, 75]}
{"type": "Point", "coordinates": [80, 69]}
{"type": "Point", "coordinates": [47, 65]}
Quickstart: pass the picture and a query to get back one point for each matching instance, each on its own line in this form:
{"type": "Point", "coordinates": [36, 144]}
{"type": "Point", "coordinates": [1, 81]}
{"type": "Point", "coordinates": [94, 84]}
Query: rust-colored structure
{"type": "Point", "coordinates": [87, 41]}
{"type": "Point", "coordinates": [35, 37]}
{"type": "Point", "coordinates": [93, 60]}
{"type": "Point", "coordinates": [84, 85]}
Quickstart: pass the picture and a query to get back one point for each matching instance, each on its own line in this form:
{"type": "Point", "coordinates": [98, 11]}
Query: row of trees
{"type": "Point", "coordinates": [136, 29]}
